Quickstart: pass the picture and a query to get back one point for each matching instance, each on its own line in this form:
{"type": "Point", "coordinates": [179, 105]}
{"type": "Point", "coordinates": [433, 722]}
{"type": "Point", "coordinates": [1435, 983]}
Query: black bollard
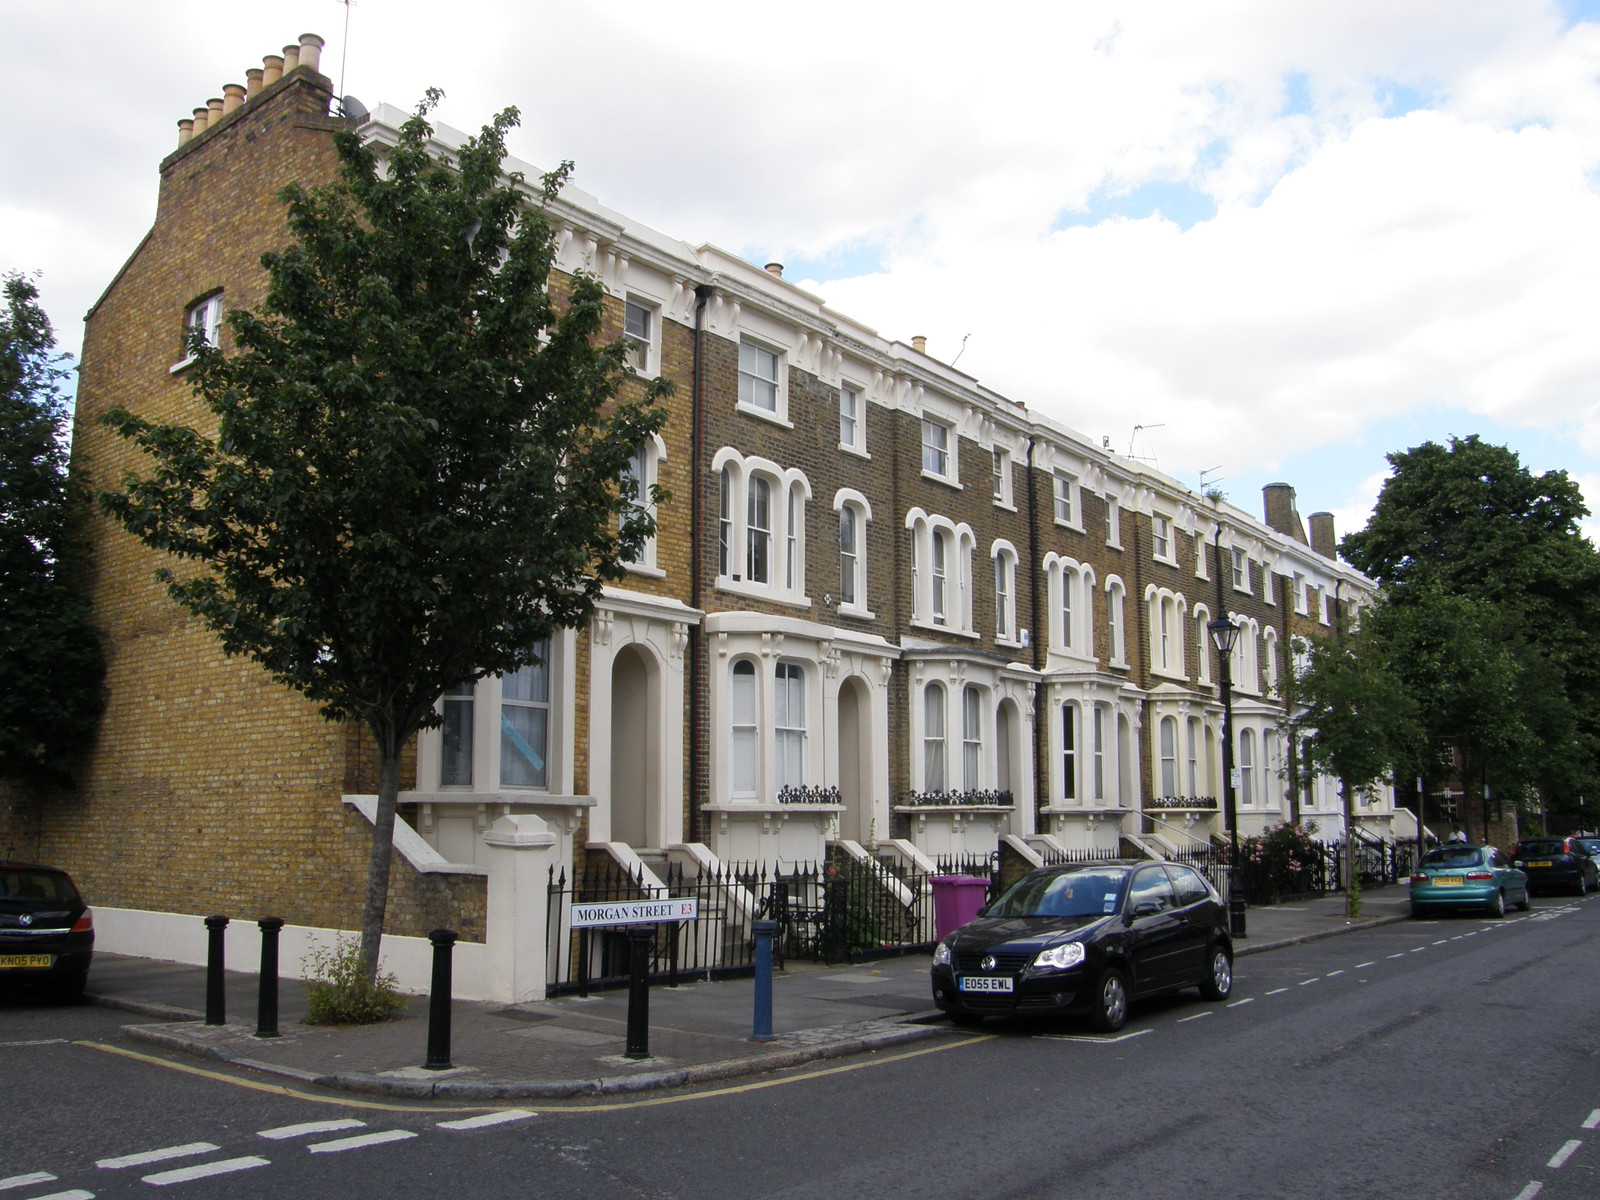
{"type": "Point", "coordinates": [216, 995]}
{"type": "Point", "coordinates": [439, 1001]}
{"type": "Point", "coordinates": [638, 992]}
{"type": "Point", "coordinates": [267, 996]}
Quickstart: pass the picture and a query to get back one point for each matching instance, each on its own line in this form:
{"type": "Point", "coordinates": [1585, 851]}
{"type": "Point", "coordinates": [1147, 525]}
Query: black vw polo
{"type": "Point", "coordinates": [1087, 938]}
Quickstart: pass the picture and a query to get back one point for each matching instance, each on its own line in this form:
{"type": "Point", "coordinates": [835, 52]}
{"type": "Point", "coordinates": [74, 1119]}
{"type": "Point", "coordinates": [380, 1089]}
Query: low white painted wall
{"type": "Point", "coordinates": [182, 938]}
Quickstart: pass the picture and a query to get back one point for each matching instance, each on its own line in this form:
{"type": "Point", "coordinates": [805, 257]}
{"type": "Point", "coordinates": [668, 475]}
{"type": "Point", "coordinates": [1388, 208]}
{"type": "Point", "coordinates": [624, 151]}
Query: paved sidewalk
{"type": "Point", "coordinates": [569, 1046]}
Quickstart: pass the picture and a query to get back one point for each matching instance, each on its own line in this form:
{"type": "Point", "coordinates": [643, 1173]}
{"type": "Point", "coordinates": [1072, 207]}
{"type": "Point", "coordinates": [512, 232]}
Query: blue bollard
{"type": "Point", "coordinates": [764, 931]}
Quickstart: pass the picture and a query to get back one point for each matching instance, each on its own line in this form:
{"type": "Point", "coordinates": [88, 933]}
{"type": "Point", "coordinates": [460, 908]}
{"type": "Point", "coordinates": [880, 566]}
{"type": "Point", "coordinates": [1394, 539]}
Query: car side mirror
{"type": "Point", "coordinates": [982, 912]}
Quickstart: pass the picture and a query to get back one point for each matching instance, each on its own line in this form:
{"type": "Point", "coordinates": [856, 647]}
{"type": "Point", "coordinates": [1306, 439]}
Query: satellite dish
{"type": "Point", "coordinates": [353, 109]}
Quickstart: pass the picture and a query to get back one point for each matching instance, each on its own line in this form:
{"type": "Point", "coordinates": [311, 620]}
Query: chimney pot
{"type": "Point", "coordinates": [214, 111]}
{"type": "Point", "coordinates": [775, 269]}
{"type": "Point", "coordinates": [252, 83]}
{"type": "Point", "coordinates": [232, 97]}
{"type": "Point", "coordinates": [272, 69]}
{"type": "Point", "coordinates": [185, 130]}
{"type": "Point", "coordinates": [202, 118]}
{"type": "Point", "coordinates": [291, 57]}
{"type": "Point", "coordinates": [919, 343]}
{"type": "Point", "coordinates": [311, 51]}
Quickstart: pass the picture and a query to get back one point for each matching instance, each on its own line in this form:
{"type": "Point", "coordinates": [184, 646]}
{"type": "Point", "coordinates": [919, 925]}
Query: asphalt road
{"type": "Point", "coordinates": [1445, 1058]}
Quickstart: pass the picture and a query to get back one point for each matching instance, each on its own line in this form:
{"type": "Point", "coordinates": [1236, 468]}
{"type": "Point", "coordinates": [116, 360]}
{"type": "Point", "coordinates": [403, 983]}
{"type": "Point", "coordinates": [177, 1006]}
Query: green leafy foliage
{"type": "Point", "coordinates": [339, 991]}
{"type": "Point", "coordinates": [414, 474]}
{"type": "Point", "coordinates": [1491, 597]}
{"type": "Point", "coordinates": [51, 665]}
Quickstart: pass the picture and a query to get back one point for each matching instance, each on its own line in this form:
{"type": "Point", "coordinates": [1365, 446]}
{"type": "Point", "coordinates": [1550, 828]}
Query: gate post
{"type": "Point", "coordinates": [519, 851]}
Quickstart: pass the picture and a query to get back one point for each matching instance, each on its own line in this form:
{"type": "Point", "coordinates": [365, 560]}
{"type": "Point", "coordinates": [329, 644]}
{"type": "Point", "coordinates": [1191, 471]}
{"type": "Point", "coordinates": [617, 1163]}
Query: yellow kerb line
{"type": "Point", "coordinates": [551, 1105]}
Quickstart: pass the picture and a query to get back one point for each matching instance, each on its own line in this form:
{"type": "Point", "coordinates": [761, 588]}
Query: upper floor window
{"type": "Point", "coordinates": [639, 478]}
{"type": "Point", "coordinates": [849, 557]}
{"type": "Point", "coordinates": [1066, 497]}
{"type": "Point", "coordinates": [1300, 596]}
{"type": "Point", "coordinates": [852, 426]}
{"type": "Point", "coordinates": [760, 382]}
{"type": "Point", "coordinates": [1115, 621]}
{"type": "Point", "coordinates": [202, 318]}
{"type": "Point", "coordinates": [1002, 476]}
{"type": "Point", "coordinates": [760, 526]}
{"type": "Point", "coordinates": [1161, 538]}
{"type": "Point", "coordinates": [1326, 606]}
{"type": "Point", "coordinates": [936, 459]}
{"type": "Point", "coordinates": [1166, 614]}
{"type": "Point", "coordinates": [1241, 571]}
{"type": "Point", "coordinates": [1113, 523]}
{"type": "Point", "coordinates": [638, 335]}
{"type": "Point", "coordinates": [1071, 586]}
{"type": "Point", "coordinates": [941, 572]}
{"type": "Point", "coordinates": [1005, 592]}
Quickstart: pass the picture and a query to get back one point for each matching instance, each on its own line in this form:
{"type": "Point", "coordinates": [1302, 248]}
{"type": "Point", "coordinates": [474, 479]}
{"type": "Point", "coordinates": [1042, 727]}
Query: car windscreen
{"type": "Point", "coordinates": [1087, 893]}
{"type": "Point", "coordinates": [1540, 849]}
{"type": "Point", "coordinates": [51, 887]}
{"type": "Point", "coordinates": [1592, 845]}
{"type": "Point", "coordinates": [1449, 857]}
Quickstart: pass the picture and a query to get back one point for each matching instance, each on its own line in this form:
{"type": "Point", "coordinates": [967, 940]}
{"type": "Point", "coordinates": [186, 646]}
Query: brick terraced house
{"type": "Point", "coordinates": [888, 613]}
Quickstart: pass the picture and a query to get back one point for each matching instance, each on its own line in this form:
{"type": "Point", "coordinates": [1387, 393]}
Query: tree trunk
{"type": "Point", "coordinates": [380, 856]}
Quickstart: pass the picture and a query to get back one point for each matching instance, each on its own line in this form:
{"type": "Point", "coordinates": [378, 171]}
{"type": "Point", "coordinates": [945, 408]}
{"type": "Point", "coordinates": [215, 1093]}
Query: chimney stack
{"type": "Point", "coordinates": [1323, 540]}
{"type": "Point", "coordinates": [1281, 517]}
{"type": "Point", "coordinates": [919, 343]}
{"type": "Point", "coordinates": [307, 52]}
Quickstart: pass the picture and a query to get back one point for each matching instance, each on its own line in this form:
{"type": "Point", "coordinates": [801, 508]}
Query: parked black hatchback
{"type": "Point", "coordinates": [1087, 938]}
{"type": "Point", "coordinates": [46, 930]}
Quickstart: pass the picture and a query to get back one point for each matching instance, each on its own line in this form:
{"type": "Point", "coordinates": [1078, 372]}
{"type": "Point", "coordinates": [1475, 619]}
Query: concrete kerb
{"type": "Point", "coordinates": [1353, 924]}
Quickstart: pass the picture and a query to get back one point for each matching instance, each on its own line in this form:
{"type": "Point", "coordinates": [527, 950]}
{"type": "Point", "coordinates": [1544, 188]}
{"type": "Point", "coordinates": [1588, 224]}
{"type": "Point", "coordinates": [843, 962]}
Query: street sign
{"type": "Point", "coordinates": [633, 912]}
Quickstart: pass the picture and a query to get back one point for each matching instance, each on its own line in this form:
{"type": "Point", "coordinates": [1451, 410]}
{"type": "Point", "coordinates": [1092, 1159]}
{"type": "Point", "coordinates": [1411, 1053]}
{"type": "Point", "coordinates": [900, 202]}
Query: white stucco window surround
{"type": "Point", "coordinates": [1004, 557]}
{"type": "Point", "coordinates": [643, 473]}
{"type": "Point", "coordinates": [1071, 587]}
{"type": "Point", "coordinates": [1117, 620]}
{"type": "Point", "coordinates": [506, 734]}
{"type": "Point", "coordinates": [798, 721]}
{"type": "Point", "coordinates": [941, 572]}
{"type": "Point", "coordinates": [970, 735]}
{"type": "Point", "coordinates": [854, 513]}
{"type": "Point", "coordinates": [763, 379]}
{"type": "Point", "coordinates": [761, 528]}
{"type": "Point", "coordinates": [1165, 612]}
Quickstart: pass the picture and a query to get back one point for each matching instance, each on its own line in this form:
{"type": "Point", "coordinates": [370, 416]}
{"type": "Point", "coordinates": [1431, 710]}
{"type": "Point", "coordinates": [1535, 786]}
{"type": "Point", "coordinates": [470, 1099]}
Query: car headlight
{"type": "Point", "coordinates": [1068, 954]}
{"type": "Point", "coordinates": [941, 954]}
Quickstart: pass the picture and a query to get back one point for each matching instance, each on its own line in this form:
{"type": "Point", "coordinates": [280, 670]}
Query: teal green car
{"type": "Point", "coordinates": [1459, 876]}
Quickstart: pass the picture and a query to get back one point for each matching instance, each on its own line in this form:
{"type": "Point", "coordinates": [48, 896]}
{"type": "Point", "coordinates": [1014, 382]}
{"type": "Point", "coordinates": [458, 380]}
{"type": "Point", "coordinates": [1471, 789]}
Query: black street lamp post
{"type": "Point", "coordinates": [1226, 635]}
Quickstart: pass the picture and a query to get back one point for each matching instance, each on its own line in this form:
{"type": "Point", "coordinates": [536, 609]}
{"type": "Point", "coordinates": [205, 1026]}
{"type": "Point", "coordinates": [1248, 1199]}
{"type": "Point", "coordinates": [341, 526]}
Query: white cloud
{"type": "Point", "coordinates": [1406, 208]}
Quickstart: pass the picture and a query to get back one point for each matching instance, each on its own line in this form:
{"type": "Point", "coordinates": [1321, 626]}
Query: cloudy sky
{"type": "Point", "coordinates": [1264, 239]}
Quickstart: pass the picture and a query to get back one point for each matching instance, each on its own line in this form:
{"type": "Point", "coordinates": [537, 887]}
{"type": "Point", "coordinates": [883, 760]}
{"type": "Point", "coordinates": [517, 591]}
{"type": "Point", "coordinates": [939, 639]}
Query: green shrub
{"type": "Point", "coordinates": [337, 992]}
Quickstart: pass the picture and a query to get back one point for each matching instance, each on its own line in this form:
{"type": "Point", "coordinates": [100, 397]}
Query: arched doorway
{"type": "Point", "coordinates": [635, 750]}
{"type": "Point", "coordinates": [855, 776]}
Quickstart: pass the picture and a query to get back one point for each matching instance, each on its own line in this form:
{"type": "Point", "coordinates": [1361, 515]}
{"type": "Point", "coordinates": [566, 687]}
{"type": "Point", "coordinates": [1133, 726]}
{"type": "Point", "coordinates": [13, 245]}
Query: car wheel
{"type": "Point", "coordinates": [1220, 983]}
{"type": "Point", "coordinates": [1497, 906]}
{"type": "Point", "coordinates": [1110, 1001]}
{"type": "Point", "coordinates": [965, 1020]}
{"type": "Point", "coordinates": [1526, 902]}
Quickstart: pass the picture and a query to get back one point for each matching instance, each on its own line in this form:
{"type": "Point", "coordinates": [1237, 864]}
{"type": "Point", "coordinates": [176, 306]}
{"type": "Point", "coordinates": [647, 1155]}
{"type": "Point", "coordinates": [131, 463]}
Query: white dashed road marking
{"type": "Point", "coordinates": [155, 1156]}
{"type": "Point", "coordinates": [309, 1127]}
{"type": "Point", "coordinates": [75, 1194]}
{"type": "Point", "coordinates": [17, 1181]}
{"type": "Point", "coordinates": [1529, 1192]}
{"type": "Point", "coordinates": [364, 1139]}
{"type": "Point", "coordinates": [1592, 1120]}
{"type": "Point", "coordinates": [487, 1119]}
{"type": "Point", "coordinates": [1359, 966]}
{"type": "Point", "coordinates": [205, 1170]}
{"type": "Point", "coordinates": [1277, 991]}
{"type": "Point", "coordinates": [1559, 1159]}
{"type": "Point", "coordinates": [1313, 979]}
{"type": "Point", "coordinates": [1197, 1016]}
{"type": "Point", "coordinates": [1242, 1003]}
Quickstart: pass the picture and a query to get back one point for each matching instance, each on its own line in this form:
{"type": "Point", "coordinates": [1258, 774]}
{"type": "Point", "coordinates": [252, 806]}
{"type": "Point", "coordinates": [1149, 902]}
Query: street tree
{"type": "Point", "coordinates": [1351, 719]}
{"type": "Point", "coordinates": [418, 467]}
{"type": "Point", "coordinates": [51, 665]}
{"type": "Point", "coordinates": [1467, 519]}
